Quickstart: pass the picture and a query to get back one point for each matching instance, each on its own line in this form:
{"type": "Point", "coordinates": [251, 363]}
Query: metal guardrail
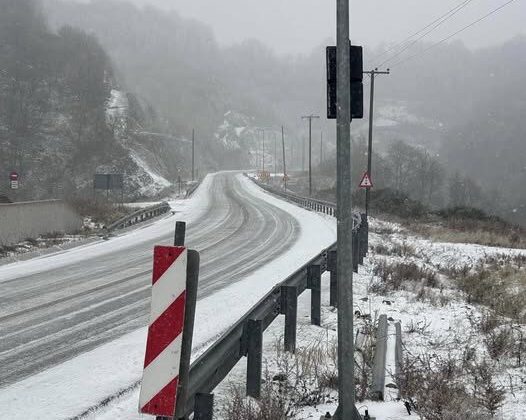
{"type": "Point", "coordinates": [191, 189]}
{"type": "Point", "coordinates": [380, 354]}
{"type": "Point", "coordinates": [321, 206]}
{"type": "Point", "coordinates": [245, 337]}
{"type": "Point", "coordinates": [139, 216]}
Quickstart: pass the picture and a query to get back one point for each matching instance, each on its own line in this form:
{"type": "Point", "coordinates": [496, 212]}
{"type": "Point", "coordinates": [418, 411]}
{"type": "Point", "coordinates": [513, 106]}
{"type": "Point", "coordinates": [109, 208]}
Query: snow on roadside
{"type": "Point", "coordinates": [188, 210]}
{"type": "Point", "coordinates": [117, 366]}
{"type": "Point", "coordinates": [442, 328]}
{"type": "Point", "coordinates": [91, 377]}
{"type": "Point", "coordinates": [445, 324]}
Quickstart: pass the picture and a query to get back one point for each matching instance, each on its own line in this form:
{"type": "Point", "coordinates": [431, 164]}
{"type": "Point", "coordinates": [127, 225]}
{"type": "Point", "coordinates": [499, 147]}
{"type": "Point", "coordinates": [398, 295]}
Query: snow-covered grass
{"type": "Point", "coordinates": [438, 327]}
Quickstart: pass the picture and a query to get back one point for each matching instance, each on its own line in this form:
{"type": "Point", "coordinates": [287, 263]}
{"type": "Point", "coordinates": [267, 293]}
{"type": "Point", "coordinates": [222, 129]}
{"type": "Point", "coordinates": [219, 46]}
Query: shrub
{"type": "Point", "coordinates": [435, 388]}
{"type": "Point", "coordinates": [396, 203]}
{"type": "Point", "coordinates": [486, 392]}
{"type": "Point", "coordinates": [100, 210]}
{"type": "Point", "coordinates": [393, 276]}
{"type": "Point", "coordinates": [499, 342]}
{"type": "Point", "coordinates": [501, 288]}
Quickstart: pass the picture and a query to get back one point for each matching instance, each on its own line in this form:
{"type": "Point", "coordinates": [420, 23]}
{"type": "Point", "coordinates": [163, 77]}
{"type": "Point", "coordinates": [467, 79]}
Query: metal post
{"type": "Point", "coordinates": [284, 161]}
{"type": "Point", "coordinates": [254, 357]}
{"type": "Point", "coordinates": [314, 284]}
{"type": "Point", "coordinates": [192, 281]}
{"type": "Point", "coordinates": [193, 155]}
{"type": "Point", "coordinates": [379, 359]}
{"type": "Point", "coordinates": [355, 251]}
{"type": "Point", "coordinates": [366, 236]}
{"type": "Point", "coordinates": [289, 307]}
{"type": "Point", "coordinates": [398, 355]}
{"type": "Point", "coordinates": [321, 148]}
{"type": "Point", "coordinates": [204, 407]}
{"type": "Point", "coordinates": [180, 233]}
{"type": "Point", "coordinates": [346, 391]}
{"type": "Point", "coordinates": [363, 235]}
{"type": "Point", "coordinates": [332, 259]}
{"type": "Point", "coordinates": [372, 73]}
{"type": "Point", "coordinates": [370, 146]}
{"type": "Point", "coordinates": [263, 155]}
{"type": "Point", "coordinates": [361, 240]}
{"type": "Point", "coordinates": [310, 157]}
{"type": "Point", "coordinates": [310, 118]}
{"type": "Point", "coordinates": [302, 154]}
{"type": "Point", "coordinates": [275, 156]}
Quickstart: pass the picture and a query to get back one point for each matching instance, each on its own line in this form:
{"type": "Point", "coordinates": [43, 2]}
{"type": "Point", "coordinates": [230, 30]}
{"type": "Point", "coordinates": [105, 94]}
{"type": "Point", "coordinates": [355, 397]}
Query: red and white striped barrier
{"type": "Point", "coordinates": [163, 347]}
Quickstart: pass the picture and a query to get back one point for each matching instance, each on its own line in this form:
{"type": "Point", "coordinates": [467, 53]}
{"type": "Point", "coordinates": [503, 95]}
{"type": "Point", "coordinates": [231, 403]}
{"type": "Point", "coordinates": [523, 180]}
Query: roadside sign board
{"type": "Point", "coordinates": [108, 181]}
{"type": "Point", "coordinates": [165, 333]}
{"type": "Point", "coordinates": [356, 86]}
{"type": "Point", "coordinates": [366, 181]}
{"type": "Point", "coordinates": [13, 178]}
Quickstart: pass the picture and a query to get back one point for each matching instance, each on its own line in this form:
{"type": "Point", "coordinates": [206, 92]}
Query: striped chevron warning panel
{"type": "Point", "coordinates": [165, 333]}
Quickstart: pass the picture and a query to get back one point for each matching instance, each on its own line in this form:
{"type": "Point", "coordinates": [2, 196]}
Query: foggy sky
{"type": "Point", "coordinates": [296, 26]}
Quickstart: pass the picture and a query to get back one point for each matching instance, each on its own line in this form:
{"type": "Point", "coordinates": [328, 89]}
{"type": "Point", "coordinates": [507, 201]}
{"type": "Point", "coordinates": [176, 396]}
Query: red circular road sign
{"type": "Point", "coordinates": [13, 176]}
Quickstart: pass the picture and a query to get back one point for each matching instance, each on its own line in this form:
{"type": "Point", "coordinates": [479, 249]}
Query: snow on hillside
{"type": "Point", "coordinates": [234, 132]}
{"type": "Point", "coordinates": [396, 113]}
{"type": "Point", "coordinates": [144, 177]}
{"type": "Point", "coordinates": [158, 182]}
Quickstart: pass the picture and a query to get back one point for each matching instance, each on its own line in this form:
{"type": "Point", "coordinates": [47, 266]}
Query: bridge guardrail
{"type": "Point", "coordinates": [139, 216]}
{"type": "Point", "coordinates": [244, 338]}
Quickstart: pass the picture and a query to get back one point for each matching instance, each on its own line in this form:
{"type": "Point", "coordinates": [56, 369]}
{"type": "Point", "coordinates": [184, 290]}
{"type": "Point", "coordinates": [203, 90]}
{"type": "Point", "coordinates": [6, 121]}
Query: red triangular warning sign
{"type": "Point", "coordinates": [366, 181]}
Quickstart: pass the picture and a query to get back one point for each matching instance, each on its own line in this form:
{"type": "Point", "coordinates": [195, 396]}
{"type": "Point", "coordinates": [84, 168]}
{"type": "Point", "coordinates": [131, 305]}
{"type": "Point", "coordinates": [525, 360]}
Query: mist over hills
{"type": "Point", "coordinates": [464, 106]}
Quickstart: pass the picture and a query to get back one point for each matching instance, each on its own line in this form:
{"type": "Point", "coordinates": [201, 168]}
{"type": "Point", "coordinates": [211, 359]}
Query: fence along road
{"type": "Point", "coordinates": [54, 315]}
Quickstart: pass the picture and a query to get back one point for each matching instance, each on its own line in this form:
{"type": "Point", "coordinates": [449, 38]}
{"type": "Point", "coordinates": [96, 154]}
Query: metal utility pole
{"type": "Point", "coordinates": [310, 118]}
{"type": "Point", "coordinates": [284, 162]}
{"type": "Point", "coordinates": [193, 155]}
{"type": "Point", "coordinates": [262, 131]}
{"type": "Point", "coordinates": [344, 265]}
{"type": "Point", "coordinates": [302, 154]}
{"type": "Point", "coordinates": [275, 155]}
{"type": "Point", "coordinates": [372, 73]}
{"type": "Point", "coordinates": [263, 154]}
{"type": "Point", "coordinates": [321, 148]}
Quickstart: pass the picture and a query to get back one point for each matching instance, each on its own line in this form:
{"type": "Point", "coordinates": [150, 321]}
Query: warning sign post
{"type": "Point", "coordinates": [366, 181]}
{"type": "Point", "coordinates": [169, 344]}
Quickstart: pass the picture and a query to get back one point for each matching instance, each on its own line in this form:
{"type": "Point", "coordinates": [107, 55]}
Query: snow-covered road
{"type": "Point", "coordinates": [53, 314]}
{"type": "Point", "coordinates": [57, 312]}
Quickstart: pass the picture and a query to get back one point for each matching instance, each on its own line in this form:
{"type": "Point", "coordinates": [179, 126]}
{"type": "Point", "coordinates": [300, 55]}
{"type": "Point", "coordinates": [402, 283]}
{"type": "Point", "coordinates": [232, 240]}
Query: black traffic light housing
{"type": "Point", "coordinates": [356, 54]}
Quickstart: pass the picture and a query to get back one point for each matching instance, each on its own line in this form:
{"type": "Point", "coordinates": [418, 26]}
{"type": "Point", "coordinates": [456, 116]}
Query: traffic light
{"type": "Point", "coordinates": [356, 54]}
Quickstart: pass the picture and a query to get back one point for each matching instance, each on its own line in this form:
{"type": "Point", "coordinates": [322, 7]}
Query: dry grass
{"type": "Point", "coordinates": [99, 209]}
{"type": "Point", "coordinates": [396, 276]}
{"type": "Point", "coordinates": [397, 249]}
{"type": "Point", "coordinates": [500, 288]}
{"type": "Point", "coordinates": [506, 238]}
{"type": "Point", "coordinates": [441, 388]}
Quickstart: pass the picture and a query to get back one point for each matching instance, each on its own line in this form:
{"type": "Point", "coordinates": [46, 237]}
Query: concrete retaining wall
{"type": "Point", "coordinates": [19, 221]}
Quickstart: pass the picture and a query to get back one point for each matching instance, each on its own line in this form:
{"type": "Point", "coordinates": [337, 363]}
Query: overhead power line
{"type": "Point", "coordinates": [408, 45]}
{"type": "Point", "coordinates": [502, 6]}
{"type": "Point", "coordinates": [410, 37]}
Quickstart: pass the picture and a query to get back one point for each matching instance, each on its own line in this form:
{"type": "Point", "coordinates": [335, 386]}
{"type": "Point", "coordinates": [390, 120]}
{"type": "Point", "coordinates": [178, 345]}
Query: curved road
{"type": "Point", "coordinates": [56, 314]}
